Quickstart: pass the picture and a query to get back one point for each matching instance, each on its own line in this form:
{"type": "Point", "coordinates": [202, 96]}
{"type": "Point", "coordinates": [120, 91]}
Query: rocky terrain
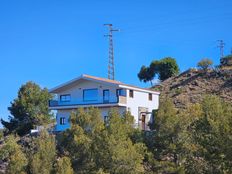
{"type": "Point", "coordinates": [190, 86]}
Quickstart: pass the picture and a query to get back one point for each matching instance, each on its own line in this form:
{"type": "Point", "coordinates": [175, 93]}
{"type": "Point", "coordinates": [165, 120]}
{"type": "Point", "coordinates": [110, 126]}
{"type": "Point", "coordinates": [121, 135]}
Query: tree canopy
{"type": "Point", "coordinates": [29, 109]}
{"type": "Point", "coordinates": [95, 146]}
{"type": "Point", "coordinates": [164, 68]}
{"type": "Point", "coordinates": [205, 64]}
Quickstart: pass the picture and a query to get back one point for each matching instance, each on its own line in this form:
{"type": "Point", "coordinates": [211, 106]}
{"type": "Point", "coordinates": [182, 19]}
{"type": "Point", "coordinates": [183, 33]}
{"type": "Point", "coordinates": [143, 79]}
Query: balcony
{"type": "Point", "coordinates": [99, 101]}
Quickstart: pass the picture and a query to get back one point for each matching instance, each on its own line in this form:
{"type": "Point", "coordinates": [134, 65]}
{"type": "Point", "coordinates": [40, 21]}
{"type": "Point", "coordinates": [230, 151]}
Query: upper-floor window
{"type": "Point", "coordinates": [62, 120]}
{"type": "Point", "coordinates": [131, 93]}
{"type": "Point", "coordinates": [150, 96]}
{"type": "Point", "coordinates": [121, 92]}
{"type": "Point", "coordinates": [90, 94]}
{"type": "Point", "coordinates": [65, 98]}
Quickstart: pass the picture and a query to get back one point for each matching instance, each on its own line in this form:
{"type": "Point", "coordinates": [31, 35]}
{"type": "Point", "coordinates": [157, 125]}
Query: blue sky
{"type": "Point", "coordinates": [52, 41]}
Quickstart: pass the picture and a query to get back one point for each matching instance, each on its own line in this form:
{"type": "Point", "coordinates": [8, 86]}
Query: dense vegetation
{"type": "Point", "coordinates": [195, 140]}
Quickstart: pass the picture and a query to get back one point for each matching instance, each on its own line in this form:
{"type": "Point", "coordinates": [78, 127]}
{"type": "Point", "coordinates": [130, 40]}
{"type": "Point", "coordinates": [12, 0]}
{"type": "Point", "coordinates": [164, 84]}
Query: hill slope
{"type": "Point", "coordinates": [191, 85]}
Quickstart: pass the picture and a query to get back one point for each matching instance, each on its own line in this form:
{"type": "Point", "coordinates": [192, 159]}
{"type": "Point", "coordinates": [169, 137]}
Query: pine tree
{"type": "Point", "coordinates": [28, 110]}
{"type": "Point", "coordinates": [43, 159]}
{"type": "Point", "coordinates": [63, 166]}
{"type": "Point", "coordinates": [13, 154]}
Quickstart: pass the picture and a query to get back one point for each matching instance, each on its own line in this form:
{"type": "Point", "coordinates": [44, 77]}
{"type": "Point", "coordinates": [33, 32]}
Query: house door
{"type": "Point", "coordinates": [143, 119]}
{"type": "Point", "coordinates": [106, 96]}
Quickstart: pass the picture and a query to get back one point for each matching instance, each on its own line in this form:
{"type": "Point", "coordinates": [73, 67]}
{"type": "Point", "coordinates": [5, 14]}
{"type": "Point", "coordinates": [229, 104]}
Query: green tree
{"type": "Point", "coordinates": [146, 75]}
{"type": "Point", "coordinates": [78, 141]}
{"type": "Point", "coordinates": [63, 166]}
{"type": "Point", "coordinates": [43, 159]}
{"type": "Point", "coordinates": [13, 154]}
{"type": "Point", "coordinates": [167, 141]}
{"type": "Point", "coordinates": [125, 156]}
{"type": "Point", "coordinates": [29, 109]}
{"type": "Point", "coordinates": [205, 64]}
{"type": "Point", "coordinates": [211, 137]}
{"type": "Point", "coordinates": [98, 147]}
{"type": "Point", "coordinates": [164, 68]}
{"type": "Point", "coordinates": [167, 68]}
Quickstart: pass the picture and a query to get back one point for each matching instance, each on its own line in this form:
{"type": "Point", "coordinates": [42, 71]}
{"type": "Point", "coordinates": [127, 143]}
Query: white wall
{"type": "Point", "coordinates": [140, 99]}
{"type": "Point", "coordinates": [77, 90]}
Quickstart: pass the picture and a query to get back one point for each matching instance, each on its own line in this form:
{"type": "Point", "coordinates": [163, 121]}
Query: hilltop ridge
{"type": "Point", "coordinates": [190, 86]}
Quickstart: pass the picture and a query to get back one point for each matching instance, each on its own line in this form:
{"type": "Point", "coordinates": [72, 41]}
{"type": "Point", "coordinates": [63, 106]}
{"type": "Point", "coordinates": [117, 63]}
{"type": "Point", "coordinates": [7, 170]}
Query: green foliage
{"type": "Point", "coordinates": [13, 154]}
{"type": "Point", "coordinates": [164, 68]}
{"type": "Point", "coordinates": [95, 147]}
{"type": "Point", "coordinates": [63, 166]}
{"type": "Point", "coordinates": [1, 134]}
{"type": "Point", "coordinates": [205, 64]}
{"type": "Point", "coordinates": [211, 136]}
{"type": "Point", "coordinates": [167, 142]}
{"type": "Point", "coordinates": [145, 74]}
{"type": "Point", "coordinates": [194, 140]}
{"type": "Point", "coordinates": [45, 153]}
{"type": "Point", "coordinates": [29, 109]}
{"type": "Point", "coordinates": [167, 67]}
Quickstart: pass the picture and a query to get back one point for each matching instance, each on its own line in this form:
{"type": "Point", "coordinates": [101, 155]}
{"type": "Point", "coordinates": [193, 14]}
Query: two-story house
{"type": "Point", "coordinates": [86, 91]}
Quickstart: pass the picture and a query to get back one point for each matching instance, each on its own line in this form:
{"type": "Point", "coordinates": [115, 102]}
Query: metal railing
{"type": "Point", "coordinates": [100, 100]}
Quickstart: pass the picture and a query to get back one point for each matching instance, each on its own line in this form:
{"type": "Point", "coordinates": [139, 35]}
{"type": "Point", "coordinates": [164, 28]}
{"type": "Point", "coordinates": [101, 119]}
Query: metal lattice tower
{"type": "Point", "coordinates": [111, 74]}
{"type": "Point", "coordinates": [221, 47]}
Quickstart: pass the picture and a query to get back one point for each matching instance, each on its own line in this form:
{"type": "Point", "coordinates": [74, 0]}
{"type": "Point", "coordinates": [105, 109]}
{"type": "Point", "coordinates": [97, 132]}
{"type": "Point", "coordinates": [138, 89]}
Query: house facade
{"type": "Point", "coordinates": [104, 94]}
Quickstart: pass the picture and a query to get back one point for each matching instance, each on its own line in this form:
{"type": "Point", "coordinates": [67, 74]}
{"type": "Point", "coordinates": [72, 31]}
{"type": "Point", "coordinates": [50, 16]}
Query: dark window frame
{"type": "Point", "coordinates": [65, 95]}
{"type": "Point", "coordinates": [90, 90]}
{"type": "Point", "coordinates": [131, 93]}
{"type": "Point", "coordinates": [150, 97]}
{"type": "Point", "coordinates": [62, 120]}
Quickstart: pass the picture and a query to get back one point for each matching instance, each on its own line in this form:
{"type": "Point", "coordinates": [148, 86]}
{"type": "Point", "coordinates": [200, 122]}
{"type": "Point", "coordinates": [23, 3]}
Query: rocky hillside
{"type": "Point", "coordinates": [191, 85]}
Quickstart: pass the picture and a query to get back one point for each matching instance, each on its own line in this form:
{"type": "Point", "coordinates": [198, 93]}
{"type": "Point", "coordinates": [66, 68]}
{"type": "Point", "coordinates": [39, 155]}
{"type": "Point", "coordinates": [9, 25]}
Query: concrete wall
{"type": "Point", "coordinates": [76, 91]}
{"type": "Point", "coordinates": [140, 100]}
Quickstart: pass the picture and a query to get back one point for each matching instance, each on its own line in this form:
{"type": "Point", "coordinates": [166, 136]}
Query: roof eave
{"type": "Point", "coordinates": [139, 89]}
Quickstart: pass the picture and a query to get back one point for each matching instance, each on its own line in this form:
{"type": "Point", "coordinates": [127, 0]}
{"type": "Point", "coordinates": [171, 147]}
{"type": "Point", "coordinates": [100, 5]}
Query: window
{"type": "Point", "coordinates": [131, 93]}
{"type": "Point", "coordinates": [106, 95]}
{"type": "Point", "coordinates": [62, 120]}
{"type": "Point", "coordinates": [90, 94]}
{"type": "Point", "coordinates": [150, 96]}
{"type": "Point", "coordinates": [121, 92]}
{"type": "Point", "coordinates": [106, 119]}
{"type": "Point", "coordinates": [65, 98]}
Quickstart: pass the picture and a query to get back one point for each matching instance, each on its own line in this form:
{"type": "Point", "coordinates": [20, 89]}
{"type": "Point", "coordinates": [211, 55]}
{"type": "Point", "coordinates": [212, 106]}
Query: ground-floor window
{"type": "Point", "coordinates": [62, 120]}
{"type": "Point", "coordinates": [106, 119]}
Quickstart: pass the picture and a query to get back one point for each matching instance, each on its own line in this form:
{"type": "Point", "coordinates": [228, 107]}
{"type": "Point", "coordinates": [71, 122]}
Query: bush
{"type": "Point", "coordinates": [205, 64]}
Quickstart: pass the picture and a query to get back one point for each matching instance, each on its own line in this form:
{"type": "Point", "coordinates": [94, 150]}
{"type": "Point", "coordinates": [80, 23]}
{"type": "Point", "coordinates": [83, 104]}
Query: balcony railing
{"type": "Point", "coordinates": [101, 100]}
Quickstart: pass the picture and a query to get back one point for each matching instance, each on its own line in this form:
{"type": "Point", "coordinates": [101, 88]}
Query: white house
{"type": "Point", "coordinates": [86, 91]}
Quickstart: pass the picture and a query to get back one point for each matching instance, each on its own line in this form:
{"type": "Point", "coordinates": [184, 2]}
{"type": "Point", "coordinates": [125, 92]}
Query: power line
{"type": "Point", "coordinates": [111, 74]}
